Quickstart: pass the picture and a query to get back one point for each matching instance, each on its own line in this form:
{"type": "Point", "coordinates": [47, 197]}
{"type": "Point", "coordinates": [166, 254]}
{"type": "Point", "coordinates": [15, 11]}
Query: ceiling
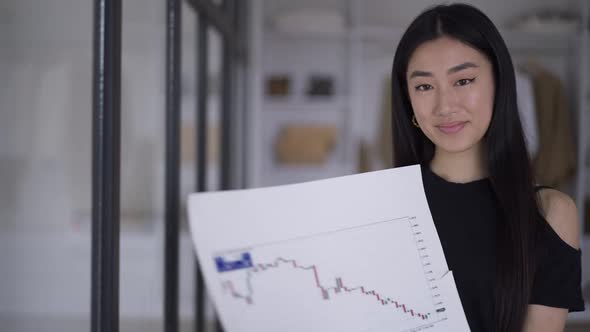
{"type": "Point", "coordinates": [398, 13]}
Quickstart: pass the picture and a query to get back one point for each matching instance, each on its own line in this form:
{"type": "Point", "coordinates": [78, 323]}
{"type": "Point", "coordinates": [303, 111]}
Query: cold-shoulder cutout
{"type": "Point", "coordinates": [560, 212]}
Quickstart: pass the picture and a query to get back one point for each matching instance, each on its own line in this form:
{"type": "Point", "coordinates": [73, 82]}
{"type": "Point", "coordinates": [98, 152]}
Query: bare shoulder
{"type": "Point", "coordinates": [562, 215]}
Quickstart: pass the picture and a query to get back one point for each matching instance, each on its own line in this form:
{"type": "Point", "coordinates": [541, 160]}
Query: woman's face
{"type": "Point", "coordinates": [451, 88]}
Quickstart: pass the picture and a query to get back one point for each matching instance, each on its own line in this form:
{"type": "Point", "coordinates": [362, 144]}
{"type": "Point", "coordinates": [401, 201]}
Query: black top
{"type": "Point", "coordinates": [465, 216]}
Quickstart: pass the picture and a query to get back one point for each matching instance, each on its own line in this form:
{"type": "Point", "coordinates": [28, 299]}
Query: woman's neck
{"type": "Point", "coordinates": [460, 167]}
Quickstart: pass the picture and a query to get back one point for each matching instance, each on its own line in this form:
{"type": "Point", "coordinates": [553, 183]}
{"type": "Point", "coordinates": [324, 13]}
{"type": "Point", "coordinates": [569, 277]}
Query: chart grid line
{"type": "Point", "coordinates": [304, 237]}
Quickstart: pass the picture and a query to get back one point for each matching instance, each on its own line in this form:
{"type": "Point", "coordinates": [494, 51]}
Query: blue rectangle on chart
{"type": "Point", "coordinates": [225, 265]}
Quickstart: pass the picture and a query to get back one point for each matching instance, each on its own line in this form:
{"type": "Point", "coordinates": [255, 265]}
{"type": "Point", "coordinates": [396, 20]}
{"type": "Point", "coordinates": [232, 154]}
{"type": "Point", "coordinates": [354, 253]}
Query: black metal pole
{"type": "Point", "coordinates": [215, 16]}
{"type": "Point", "coordinates": [226, 108]}
{"type": "Point", "coordinates": [201, 153]}
{"type": "Point", "coordinates": [106, 140]}
{"type": "Point", "coordinates": [241, 27]}
{"type": "Point", "coordinates": [227, 100]}
{"type": "Point", "coordinates": [172, 203]}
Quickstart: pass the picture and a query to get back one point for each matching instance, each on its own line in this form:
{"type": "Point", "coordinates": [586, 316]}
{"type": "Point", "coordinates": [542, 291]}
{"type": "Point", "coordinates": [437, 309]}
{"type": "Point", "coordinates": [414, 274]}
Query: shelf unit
{"type": "Point", "coordinates": [299, 57]}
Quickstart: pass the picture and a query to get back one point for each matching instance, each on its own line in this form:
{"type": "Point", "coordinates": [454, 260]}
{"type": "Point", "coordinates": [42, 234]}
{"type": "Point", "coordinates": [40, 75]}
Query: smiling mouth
{"type": "Point", "coordinates": [452, 128]}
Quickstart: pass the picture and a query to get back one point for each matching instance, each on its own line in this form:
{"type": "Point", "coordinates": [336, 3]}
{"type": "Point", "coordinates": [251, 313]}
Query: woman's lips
{"type": "Point", "coordinates": [452, 127]}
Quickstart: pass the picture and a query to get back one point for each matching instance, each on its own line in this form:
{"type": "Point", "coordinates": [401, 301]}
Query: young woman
{"type": "Point", "coordinates": [513, 246]}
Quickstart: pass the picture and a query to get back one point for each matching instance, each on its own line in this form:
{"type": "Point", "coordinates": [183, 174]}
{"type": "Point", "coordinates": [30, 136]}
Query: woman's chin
{"type": "Point", "coordinates": [456, 146]}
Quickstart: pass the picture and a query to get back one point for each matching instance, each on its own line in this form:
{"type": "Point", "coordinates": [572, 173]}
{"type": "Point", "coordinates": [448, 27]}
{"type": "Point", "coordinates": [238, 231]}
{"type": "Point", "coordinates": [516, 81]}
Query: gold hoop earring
{"type": "Point", "coordinates": [415, 122]}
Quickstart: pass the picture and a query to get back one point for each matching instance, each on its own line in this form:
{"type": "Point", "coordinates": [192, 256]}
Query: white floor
{"type": "Point", "coordinates": [46, 324]}
{"type": "Point", "coordinates": [40, 324]}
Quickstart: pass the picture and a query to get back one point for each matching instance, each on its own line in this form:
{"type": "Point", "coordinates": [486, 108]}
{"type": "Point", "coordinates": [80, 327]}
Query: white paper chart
{"type": "Point", "coordinates": [355, 253]}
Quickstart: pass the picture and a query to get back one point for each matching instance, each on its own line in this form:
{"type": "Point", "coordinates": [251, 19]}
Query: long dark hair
{"type": "Point", "coordinates": [508, 163]}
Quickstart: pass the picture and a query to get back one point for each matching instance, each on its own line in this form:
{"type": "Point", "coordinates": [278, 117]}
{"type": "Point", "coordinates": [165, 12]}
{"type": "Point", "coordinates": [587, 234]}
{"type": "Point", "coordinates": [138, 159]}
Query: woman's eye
{"type": "Point", "coordinates": [465, 81]}
{"type": "Point", "coordinates": [423, 87]}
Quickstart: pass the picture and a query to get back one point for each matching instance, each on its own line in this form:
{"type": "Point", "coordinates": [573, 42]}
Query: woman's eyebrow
{"type": "Point", "coordinates": [452, 70]}
{"type": "Point", "coordinates": [462, 66]}
{"type": "Point", "coordinates": [417, 73]}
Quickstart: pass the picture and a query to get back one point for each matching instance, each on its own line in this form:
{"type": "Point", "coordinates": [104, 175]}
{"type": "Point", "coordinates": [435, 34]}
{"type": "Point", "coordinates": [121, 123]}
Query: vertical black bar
{"type": "Point", "coordinates": [226, 100]}
{"type": "Point", "coordinates": [226, 107]}
{"type": "Point", "coordinates": [240, 98]}
{"type": "Point", "coordinates": [106, 135]}
{"type": "Point", "coordinates": [201, 153]}
{"type": "Point", "coordinates": [172, 204]}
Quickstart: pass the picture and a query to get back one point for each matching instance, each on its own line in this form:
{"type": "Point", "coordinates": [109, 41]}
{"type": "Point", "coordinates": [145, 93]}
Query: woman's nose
{"type": "Point", "coordinates": [446, 102]}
